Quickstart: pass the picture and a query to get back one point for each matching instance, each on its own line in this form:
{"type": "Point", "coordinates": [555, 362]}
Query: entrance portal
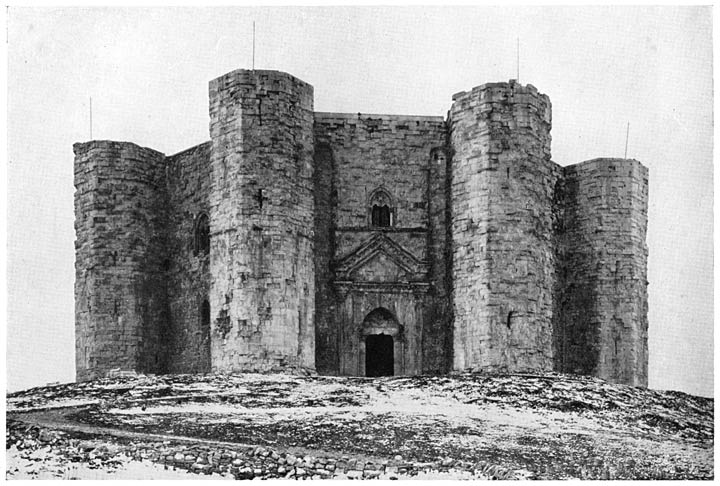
{"type": "Point", "coordinates": [379, 355]}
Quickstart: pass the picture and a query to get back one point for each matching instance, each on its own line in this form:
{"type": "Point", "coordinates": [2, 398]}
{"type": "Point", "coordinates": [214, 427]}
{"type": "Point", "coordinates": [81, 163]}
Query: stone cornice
{"type": "Point", "coordinates": [344, 286]}
{"type": "Point", "coordinates": [389, 229]}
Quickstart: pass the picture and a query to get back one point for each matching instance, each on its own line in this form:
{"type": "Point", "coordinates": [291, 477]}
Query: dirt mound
{"type": "Point", "coordinates": [458, 426]}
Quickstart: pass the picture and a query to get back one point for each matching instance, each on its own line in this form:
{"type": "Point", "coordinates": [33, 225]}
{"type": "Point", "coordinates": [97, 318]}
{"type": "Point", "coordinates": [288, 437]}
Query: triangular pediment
{"type": "Point", "coordinates": [380, 259]}
{"type": "Point", "coordinates": [380, 268]}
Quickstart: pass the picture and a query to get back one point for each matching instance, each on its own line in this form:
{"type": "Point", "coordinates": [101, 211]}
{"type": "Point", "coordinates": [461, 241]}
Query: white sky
{"type": "Point", "coordinates": [147, 71]}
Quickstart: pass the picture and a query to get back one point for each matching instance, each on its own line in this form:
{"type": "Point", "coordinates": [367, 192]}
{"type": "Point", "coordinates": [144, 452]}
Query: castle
{"type": "Point", "coordinates": [358, 244]}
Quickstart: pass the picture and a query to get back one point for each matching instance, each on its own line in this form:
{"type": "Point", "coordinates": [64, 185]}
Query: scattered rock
{"type": "Point", "coordinates": [650, 415]}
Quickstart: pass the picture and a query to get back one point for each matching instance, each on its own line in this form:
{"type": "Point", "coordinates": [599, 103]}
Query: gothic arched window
{"type": "Point", "coordinates": [381, 209]}
{"type": "Point", "coordinates": [202, 235]}
{"type": "Point", "coordinates": [380, 215]}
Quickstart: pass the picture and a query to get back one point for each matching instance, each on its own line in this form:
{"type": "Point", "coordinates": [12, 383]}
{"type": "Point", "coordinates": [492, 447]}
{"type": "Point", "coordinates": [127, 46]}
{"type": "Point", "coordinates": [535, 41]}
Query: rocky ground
{"type": "Point", "coordinates": [465, 426]}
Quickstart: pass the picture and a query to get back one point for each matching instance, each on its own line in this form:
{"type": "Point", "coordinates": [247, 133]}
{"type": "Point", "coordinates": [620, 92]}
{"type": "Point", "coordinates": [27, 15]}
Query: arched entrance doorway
{"type": "Point", "coordinates": [379, 355]}
{"type": "Point", "coordinates": [381, 345]}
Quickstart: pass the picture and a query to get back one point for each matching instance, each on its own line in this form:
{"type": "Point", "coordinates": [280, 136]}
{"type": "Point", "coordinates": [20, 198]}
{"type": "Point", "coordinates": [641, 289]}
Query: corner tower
{"type": "Point", "coordinates": [503, 258]}
{"type": "Point", "coordinates": [262, 295]}
{"type": "Point", "coordinates": [602, 322]}
{"type": "Point", "coordinates": [120, 295]}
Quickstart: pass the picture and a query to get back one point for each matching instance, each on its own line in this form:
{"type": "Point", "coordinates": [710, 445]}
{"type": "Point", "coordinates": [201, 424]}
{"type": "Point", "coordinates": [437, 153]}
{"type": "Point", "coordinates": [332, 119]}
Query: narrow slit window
{"type": "Point", "coordinates": [205, 315]}
{"type": "Point", "coordinates": [202, 235]}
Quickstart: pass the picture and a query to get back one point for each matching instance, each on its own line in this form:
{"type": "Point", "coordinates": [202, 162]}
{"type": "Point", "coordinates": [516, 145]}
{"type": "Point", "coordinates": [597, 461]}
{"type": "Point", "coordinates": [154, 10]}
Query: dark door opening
{"type": "Point", "coordinates": [379, 355]}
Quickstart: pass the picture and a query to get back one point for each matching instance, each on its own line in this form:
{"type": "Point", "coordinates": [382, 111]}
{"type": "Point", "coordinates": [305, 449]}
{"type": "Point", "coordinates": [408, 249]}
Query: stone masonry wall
{"type": "Point", "coordinates": [380, 151]}
{"type": "Point", "coordinates": [188, 270]}
{"type": "Point", "coordinates": [395, 154]}
{"type": "Point", "coordinates": [120, 306]}
{"type": "Point", "coordinates": [261, 222]}
{"type": "Point", "coordinates": [602, 313]}
{"type": "Point", "coordinates": [496, 258]}
{"type": "Point", "coordinates": [502, 193]}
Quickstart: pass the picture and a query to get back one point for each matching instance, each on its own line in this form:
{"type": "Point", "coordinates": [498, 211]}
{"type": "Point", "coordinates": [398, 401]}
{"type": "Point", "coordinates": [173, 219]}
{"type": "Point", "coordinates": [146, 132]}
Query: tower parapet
{"type": "Point", "coordinates": [502, 228]}
{"type": "Point", "coordinates": [262, 294]}
{"type": "Point", "coordinates": [119, 284]}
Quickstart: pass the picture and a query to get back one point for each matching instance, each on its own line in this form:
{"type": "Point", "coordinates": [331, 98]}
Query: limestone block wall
{"type": "Point", "coordinates": [120, 306]}
{"type": "Point", "coordinates": [502, 226]}
{"type": "Point", "coordinates": [261, 221]}
{"type": "Point", "coordinates": [188, 180]}
{"type": "Point", "coordinates": [380, 151]}
{"type": "Point", "coordinates": [602, 313]}
{"type": "Point", "coordinates": [397, 155]}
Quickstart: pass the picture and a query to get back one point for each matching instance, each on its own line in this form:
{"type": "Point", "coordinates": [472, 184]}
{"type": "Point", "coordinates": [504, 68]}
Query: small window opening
{"type": "Point", "coordinates": [381, 216]}
{"type": "Point", "coordinates": [202, 235]}
{"type": "Point", "coordinates": [381, 212]}
{"type": "Point", "coordinates": [438, 156]}
{"type": "Point", "coordinates": [205, 316]}
{"type": "Point", "coordinates": [260, 198]}
{"type": "Point", "coordinates": [509, 318]}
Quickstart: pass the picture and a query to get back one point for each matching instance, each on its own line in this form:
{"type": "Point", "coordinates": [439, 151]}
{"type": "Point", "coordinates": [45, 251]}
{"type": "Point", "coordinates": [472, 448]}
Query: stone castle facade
{"type": "Point", "coordinates": [359, 244]}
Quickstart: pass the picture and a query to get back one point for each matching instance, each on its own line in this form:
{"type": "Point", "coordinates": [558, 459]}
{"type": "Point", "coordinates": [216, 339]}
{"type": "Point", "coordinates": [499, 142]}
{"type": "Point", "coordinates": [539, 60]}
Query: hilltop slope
{"type": "Point", "coordinates": [458, 426]}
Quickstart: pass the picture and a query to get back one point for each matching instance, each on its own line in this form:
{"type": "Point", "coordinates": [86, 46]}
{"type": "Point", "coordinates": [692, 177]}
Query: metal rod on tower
{"type": "Point", "coordinates": [253, 59]}
{"type": "Point", "coordinates": [627, 135]}
{"type": "Point", "coordinates": [91, 118]}
{"type": "Point", "coordinates": [518, 59]}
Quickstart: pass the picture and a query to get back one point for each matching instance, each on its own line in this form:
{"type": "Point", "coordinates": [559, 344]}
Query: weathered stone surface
{"type": "Point", "coordinates": [502, 228]}
{"type": "Point", "coordinates": [355, 243]}
{"type": "Point", "coordinates": [398, 268]}
{"type": "Point", "coordinates": [120, 204]}
{"type": "Point", "coordinates": [262, 294]}
{"type": "Point", "coordinates": [602, 314]}
{"type": "Point", "coordinates": [188, 269]}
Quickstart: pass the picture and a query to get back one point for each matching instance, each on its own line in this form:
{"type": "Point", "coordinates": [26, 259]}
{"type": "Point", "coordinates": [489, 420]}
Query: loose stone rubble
{"type": "Point", "coordinates": [238, 462]}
